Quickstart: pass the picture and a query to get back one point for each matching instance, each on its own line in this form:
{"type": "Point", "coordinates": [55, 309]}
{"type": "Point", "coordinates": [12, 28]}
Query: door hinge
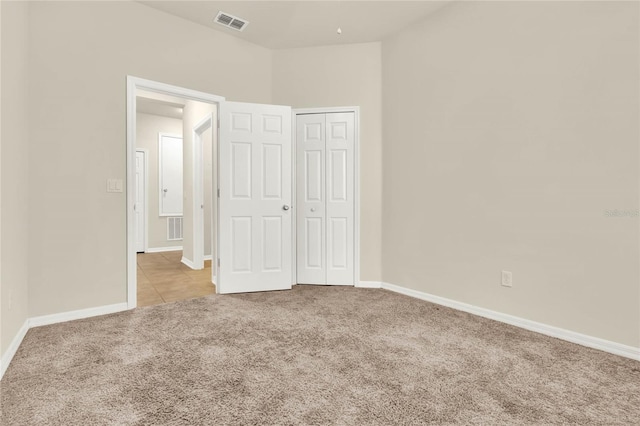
{"type": "Point", "coordinates": [218, 192]}
{"type": "Point", "coordinates": [218, 262]}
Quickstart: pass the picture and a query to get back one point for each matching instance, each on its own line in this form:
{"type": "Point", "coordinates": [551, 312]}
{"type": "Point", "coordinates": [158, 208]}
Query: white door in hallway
{"type": "Point", "coordinates": [170, 174]}
{"type": "Point", "coordinates": [255, 226]}
{"type": "Point", "coordinates": [139, 208]}
{"type": "Point", "coordinates": [325, 185]}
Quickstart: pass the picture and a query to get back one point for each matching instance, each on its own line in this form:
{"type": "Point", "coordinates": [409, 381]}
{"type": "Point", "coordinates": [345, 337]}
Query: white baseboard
{"type": "Point", "coordinates": [54, 319]}
{"type": "Point", "coordinates": [162, 249]}
{"type": "Point", "coordinates": [6, 358]}
{"type": "Point", "coordinates": [187, 262]}
{"type": "Point", "coordinates": [369, 284]}
{"type": "Point", "coordinates": [208, 257]}
{"type": "Point", "coordinates": [74, 315]}
{"type": "Point", "coordinates": [560, 333]}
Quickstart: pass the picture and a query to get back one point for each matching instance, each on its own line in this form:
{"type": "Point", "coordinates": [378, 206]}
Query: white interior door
{"type": "Point", "coordinates": [171, 175]}
{"type": "Point", "coordinates": [325, 159]}
{"type": "Point", "coordinates": [255, 198]}
{"type": "Point", "coordinates": [139, 207]}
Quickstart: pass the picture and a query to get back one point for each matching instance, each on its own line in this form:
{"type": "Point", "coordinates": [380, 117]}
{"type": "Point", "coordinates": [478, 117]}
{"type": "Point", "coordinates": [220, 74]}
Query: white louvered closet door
{"type": "Point", "coordinates": [325, 198]}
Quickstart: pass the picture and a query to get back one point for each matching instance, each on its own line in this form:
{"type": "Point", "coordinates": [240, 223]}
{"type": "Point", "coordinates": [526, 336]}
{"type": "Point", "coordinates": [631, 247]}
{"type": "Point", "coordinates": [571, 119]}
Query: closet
{"type": "Point", "coordinates": [325, 205]}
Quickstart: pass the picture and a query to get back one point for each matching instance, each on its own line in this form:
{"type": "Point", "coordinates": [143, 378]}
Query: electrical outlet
{"type": "Point", "coordinates": [507, 279]}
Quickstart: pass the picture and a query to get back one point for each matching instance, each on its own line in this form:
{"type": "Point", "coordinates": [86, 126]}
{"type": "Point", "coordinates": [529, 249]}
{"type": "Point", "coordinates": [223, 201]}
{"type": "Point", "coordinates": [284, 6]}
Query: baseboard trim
{"type": "Point", "coordinates": [209, 257]}
{"type": "Point", "coordinates": [6, 358]}
{"type": "Point", "coordinates": [187, 262]}
{"type": "Point", "coordinates": [54, 319]}
{"type": "Point", "coordinates": [548, 330]}
{"type": "Point", "coordinates": [369, 284]}
{"type": "Point", "coordinates": [163, 249]}
{"type": "Point", "coordinates": [74, 315]}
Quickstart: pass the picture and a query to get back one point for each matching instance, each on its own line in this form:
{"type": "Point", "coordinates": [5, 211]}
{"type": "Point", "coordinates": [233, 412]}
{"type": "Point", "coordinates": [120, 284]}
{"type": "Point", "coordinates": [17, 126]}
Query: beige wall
{"type": "Point", "coordinates": [148, 126]}
{"type": "Point", "coordinates": [80, 55]}
{"type": "Point", "coordinates": [348, 75]}
{"type": "Point", "coordinates": [2, 344]}
{"type": "Point", "coordinates": [510, 129]}
{"type": "Point", "coordinates": [14, 172]}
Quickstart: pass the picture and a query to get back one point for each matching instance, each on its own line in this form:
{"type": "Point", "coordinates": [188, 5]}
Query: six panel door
{"type": "Point", "coordinates": [255, 225]}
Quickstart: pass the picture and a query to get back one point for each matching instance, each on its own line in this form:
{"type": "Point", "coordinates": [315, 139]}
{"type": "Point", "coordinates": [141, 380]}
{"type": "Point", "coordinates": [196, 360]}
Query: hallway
{"type": "Point", "coordinates": [163, 278]}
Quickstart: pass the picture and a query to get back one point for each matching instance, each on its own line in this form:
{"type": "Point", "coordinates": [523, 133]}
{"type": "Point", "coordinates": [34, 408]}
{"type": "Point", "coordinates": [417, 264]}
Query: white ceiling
{"type": "Point", "coordinates": [303, 23]}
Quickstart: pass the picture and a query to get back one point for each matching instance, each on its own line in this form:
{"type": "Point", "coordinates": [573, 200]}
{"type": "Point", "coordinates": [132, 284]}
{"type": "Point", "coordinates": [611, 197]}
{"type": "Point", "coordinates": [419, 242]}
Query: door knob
{"type": "Point", "coordinates": [285, 207]}
{"type": "Point", "coordinates": [313, 209]}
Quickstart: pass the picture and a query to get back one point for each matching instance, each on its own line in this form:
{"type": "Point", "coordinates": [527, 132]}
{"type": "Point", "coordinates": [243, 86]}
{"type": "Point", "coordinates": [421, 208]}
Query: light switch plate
{"type": "Point", "coordinates": [114, 185]}
{"type": "Point", "coordinates": [507, 279]}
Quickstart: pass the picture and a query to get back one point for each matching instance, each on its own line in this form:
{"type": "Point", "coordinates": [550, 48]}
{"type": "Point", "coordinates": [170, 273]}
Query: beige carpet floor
{"type": "Point", "coordinates": [312, 355]}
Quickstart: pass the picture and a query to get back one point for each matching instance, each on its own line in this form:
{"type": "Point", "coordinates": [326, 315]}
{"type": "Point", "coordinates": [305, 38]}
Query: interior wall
{"type": "Point", "coordinates": [14, 169]}
{"type": "Point", "coordinates": [80, 54]}
{"type": "Point", "coordinates": [148, 126]}
{"type": "Point", "coordinates": [511, 143]}
{"type": "Point", "coordinates": [193, 113]}
{"type": "Point", "coordinates": [346, 75]}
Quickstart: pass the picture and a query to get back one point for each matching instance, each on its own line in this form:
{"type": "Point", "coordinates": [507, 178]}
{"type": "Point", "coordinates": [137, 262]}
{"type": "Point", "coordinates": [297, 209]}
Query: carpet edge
{"type": "Point", "coordinates": [548, 330]}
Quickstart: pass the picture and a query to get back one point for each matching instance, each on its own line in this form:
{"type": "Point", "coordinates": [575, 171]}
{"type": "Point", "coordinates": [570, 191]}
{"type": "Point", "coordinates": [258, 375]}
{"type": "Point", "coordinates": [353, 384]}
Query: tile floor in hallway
{"type": "Point", "coordinates": [163, 278]}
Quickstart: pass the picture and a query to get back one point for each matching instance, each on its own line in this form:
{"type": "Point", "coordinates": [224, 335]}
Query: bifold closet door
{"type": "Point", "coordinates": [340, 136]}
{"type": "Point", "coordinates": [325, 190]}
{"type": "Point", "coordinates": [310, 195]}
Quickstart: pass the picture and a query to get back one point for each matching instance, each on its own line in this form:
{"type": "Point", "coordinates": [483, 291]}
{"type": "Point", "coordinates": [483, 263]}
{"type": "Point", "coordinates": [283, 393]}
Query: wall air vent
{"type": "Point", "coordinates": [174, 228]}
{"type": "Point", "coordinates": [231, 21]}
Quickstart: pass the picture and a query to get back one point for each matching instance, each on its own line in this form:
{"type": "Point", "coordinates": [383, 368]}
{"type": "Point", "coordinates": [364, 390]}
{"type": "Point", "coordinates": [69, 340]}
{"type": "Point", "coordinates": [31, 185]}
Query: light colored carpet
{"type": "Point", "coordinates": [312, 355]}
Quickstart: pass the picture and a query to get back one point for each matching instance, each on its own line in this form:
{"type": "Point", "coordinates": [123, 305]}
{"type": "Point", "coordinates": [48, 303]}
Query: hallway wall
{"type": "Point", "coordinates": [147, 127]}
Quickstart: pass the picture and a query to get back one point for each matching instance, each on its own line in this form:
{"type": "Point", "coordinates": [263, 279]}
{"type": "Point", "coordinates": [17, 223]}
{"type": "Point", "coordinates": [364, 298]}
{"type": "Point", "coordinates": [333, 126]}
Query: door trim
{"type": "Point", "coordinates": [145, 151]}
{"type": "Point", "coordinates": [198, 191]}
{"type": "Point", "coordinates": [133, 84]}
{"type": "Point", "coordinates": [356, 178]}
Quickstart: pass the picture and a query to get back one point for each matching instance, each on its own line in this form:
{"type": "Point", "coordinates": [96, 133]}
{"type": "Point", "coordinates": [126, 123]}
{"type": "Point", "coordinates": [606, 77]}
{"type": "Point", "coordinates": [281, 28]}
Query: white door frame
{"type": "Point", "coordinates": [356, 175]}
{"type": "Point", "coordinates": [145, 151]}
{"type": "Point", "coordinates": [133, 85]}
{"type": "Point", "coordinates": [198, 191]}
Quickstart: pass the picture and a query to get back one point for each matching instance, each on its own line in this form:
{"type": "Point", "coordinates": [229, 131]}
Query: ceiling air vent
{"type": "Point", "coordinates": [231, 21]}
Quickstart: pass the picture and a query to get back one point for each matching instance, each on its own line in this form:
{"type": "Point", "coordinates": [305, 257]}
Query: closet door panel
{"type": "Point", "coordinates": [310, 195]}
{"type": "Point", "coordinates": [340, 205]}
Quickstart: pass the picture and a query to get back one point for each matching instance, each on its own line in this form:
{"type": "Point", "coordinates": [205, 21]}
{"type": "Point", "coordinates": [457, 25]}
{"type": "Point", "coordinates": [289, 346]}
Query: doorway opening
{"type": "Point", "coordinates": [164, 125]}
